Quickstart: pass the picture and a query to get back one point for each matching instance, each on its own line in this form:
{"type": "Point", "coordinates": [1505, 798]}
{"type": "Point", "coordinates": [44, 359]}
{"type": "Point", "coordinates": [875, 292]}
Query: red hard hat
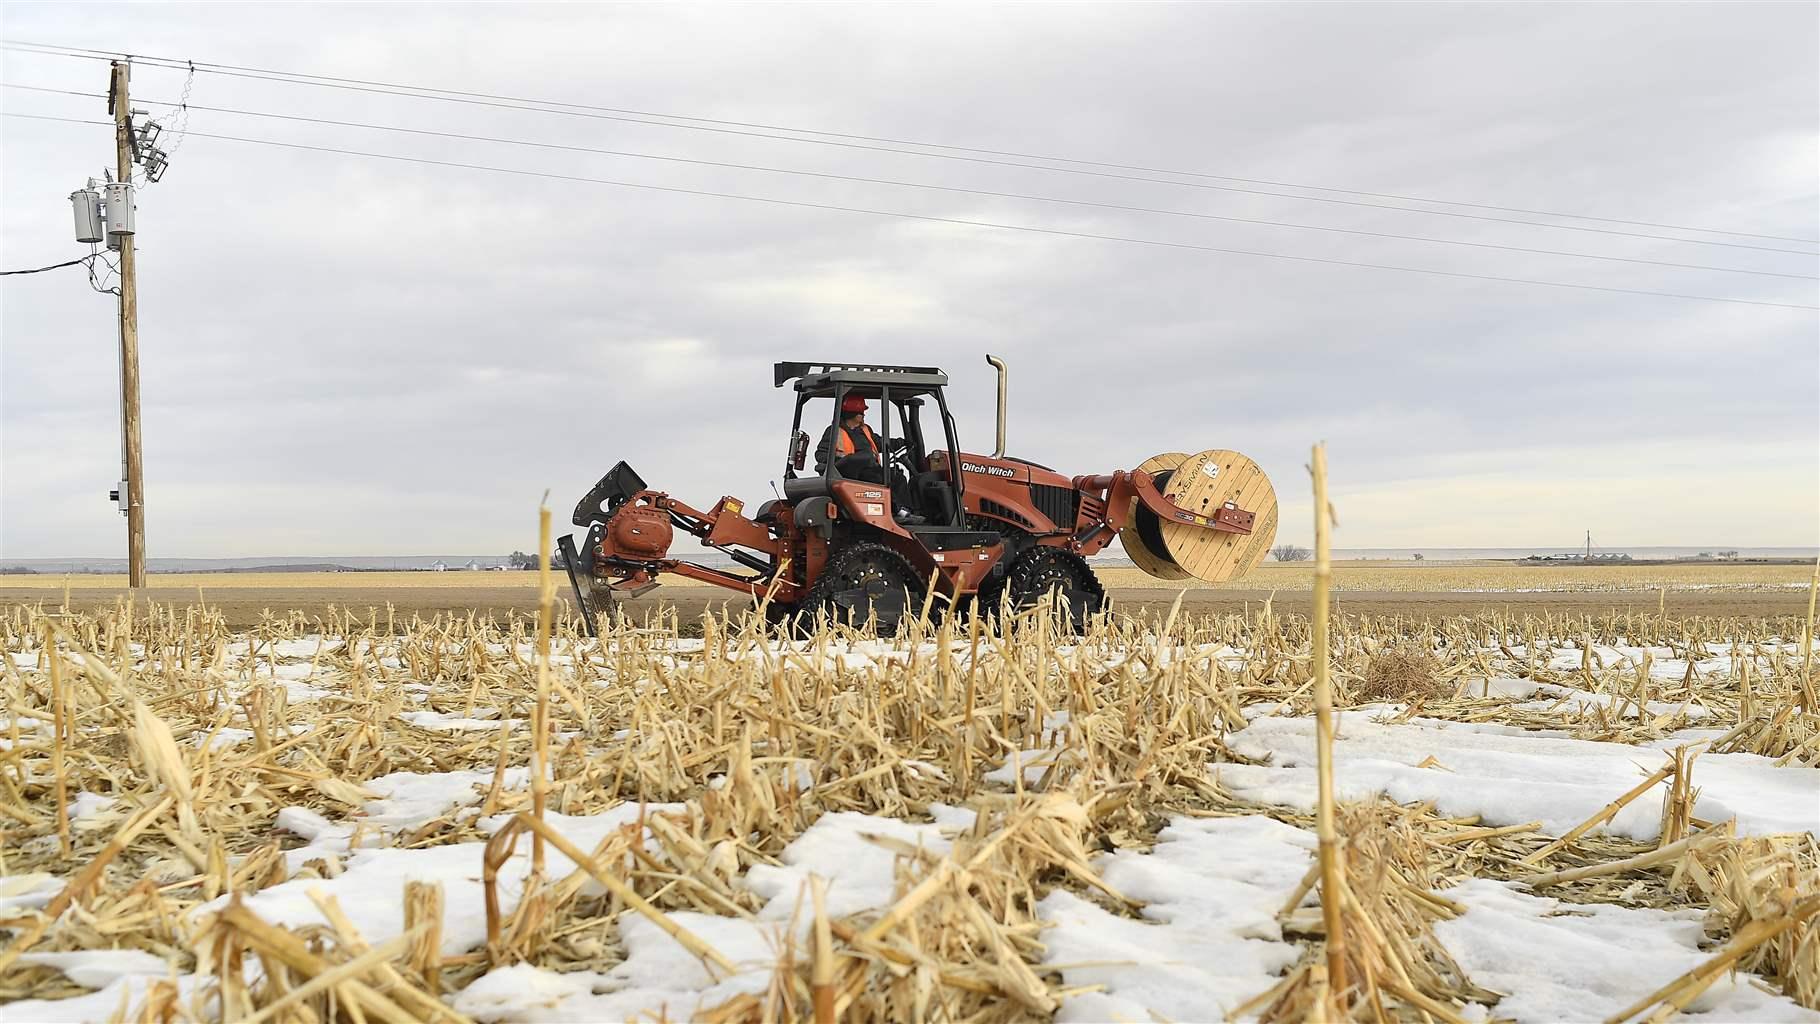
{"type": "Point", "coordinates": [853, 403]}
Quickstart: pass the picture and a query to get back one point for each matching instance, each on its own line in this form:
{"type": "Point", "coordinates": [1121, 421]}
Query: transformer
{"type": "Point", "coordinates": [85, 203]}
{"type": "Point", "coordinates": [119, 200]}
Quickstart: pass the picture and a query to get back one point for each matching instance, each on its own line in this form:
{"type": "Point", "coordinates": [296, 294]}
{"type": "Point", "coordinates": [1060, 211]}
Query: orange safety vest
{"type": "Point", "coordinates": [843, 441]}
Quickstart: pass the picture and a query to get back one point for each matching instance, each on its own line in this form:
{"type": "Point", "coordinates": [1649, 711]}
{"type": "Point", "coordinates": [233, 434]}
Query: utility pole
{"type": "Point", "coordinates": [129, 337]}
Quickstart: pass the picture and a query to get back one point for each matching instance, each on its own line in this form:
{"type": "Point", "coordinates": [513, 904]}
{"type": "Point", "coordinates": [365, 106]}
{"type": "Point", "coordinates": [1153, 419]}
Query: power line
{"type": "Point", "coordinates": [287, 75]}
{"type": "Point", "coordinates": [834, 139]}
{"type": "Point", "coordinates": [1031, 229]}
{"type": "Point", "coordinates": [40, 270]}
{"type": "Point", "coordinates": [99, 284]}
{"type": "Point", "coordinates": [940, 188]}
{"type": "Point", "coordinates": [112, 273]}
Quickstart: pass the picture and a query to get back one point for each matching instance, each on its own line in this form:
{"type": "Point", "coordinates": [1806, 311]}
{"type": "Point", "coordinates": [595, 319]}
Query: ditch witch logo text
{"type": "Point", "coordinates": [974, 467]}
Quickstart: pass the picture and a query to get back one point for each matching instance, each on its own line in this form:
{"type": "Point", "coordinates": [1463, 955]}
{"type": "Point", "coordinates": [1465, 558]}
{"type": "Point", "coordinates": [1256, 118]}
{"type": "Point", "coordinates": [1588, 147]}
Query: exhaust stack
{"type": "Point", "coordinates": [1004, 375]}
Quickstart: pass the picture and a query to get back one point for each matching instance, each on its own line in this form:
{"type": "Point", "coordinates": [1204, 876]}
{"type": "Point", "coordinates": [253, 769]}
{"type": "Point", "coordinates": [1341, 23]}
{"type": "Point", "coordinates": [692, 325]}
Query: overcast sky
{"type": "Point", "coordinates": [345, 355]}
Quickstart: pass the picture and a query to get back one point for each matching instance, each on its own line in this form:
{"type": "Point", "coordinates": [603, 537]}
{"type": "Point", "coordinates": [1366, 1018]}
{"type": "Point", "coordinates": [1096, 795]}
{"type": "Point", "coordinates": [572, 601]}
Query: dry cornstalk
{"type": "Point", "coordinates": [540, 720]}
{"type": "Point", "coordinates": [59, 736]}
{"type": "Point", "coordinates": [1808, 700]}
{"type": "Point", "coordinates": [842, 721]}
{"type": "Point", "coordinates": [335, 975]}
{"type": "Point", "coordinates": [1678, 800]}
{"type": "Point", "coordinates": [1473, 835]}
{"type": "Point", "coordinates": [1660, 855]}
{"type": "Point", "coordinates": [85, 878]}
{"type": "Point", "coordinates": [1328, 838]}
{"type": "Point", "coordinates": [493, 856]}
{"type": "Point", "coordinates": [428, 1007]}
{"type": "Point", "coordinates": [684, 937]}
{"type": "Point", "coordinates": [278, 946]}
{"type": "Point", "coordinates": [821, 977]}
{"type": "Point", "coordinates": [1686, 988]}
{"type": "Point", "coordinates": [423, 908]}
{"type": "Point", "coordinates": [1603, 815]}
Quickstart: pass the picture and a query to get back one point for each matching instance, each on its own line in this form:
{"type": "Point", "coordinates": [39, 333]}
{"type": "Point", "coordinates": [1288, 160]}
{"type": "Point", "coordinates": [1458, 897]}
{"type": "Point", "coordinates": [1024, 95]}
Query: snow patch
{"type": "Point", "coordinates": [439, 722]}
{"type": "Point", "coordinates": [371, 888]}
{"type": "Point", "coordinates": [1209, 940]}
{"type": "Point", "coordinates": [861, 874]}
{"type": "Point", "coordinates": [1584, 962]}
{"type": "Point", "coordinates": [99, 968]}
{"type": "Point", "coordinates": [1508, 776]}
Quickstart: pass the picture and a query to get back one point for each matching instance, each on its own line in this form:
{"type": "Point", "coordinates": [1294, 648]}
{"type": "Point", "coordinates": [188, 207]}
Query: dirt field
{"type": "Point", "coordinates": [1428, 592]}
{"type": "Point", "coordinates": [1499, 577]}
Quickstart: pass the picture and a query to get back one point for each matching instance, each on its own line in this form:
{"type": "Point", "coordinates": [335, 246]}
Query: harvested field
{"type": "Point", "coordinates": [1457, 577]}
{"type": "Point", "coordinates": [1549, 817]}
{"type": "Point", "coordinates": [1499, 578]}
{"type": "Point", "coordinates": [1430, 593]}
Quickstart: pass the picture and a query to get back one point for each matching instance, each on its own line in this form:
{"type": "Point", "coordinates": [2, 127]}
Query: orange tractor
{"type": "Point", "coordinates": [867, 533]}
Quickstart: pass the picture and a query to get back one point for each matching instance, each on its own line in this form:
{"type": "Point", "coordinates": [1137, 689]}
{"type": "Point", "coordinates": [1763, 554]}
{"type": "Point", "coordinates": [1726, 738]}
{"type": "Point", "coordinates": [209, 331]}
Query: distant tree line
{"type": "Point", "coordinates": [1290, 553]}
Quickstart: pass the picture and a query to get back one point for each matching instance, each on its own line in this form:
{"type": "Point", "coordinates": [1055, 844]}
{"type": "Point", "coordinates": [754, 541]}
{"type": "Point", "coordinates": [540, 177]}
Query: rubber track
{"type": "Point", "coordinates": [821, 593]}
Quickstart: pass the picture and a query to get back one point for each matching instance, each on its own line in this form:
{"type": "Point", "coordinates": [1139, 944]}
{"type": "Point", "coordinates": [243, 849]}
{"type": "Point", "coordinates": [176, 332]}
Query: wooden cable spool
{"type": "Point", "coordinates": [1141, 538]}
{"type": "Point", "coordinates": [1202, 484]}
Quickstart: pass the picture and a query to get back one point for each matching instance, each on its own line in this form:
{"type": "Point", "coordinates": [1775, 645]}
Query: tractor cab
{"type": "Point", "coordinates": [913, 472]}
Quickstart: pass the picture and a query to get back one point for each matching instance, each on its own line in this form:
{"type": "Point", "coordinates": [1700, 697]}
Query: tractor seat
{"type": "Point", "coordinates": [935, 497]}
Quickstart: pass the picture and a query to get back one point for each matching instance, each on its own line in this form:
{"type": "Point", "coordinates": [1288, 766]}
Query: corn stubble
{"type": "Point", "coordinates": [756, 739]}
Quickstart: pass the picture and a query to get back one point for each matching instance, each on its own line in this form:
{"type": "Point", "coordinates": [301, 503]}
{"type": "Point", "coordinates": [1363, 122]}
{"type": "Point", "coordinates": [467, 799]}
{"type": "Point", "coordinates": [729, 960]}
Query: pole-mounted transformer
{"type": "Point", "coordinates": [85, 203]}
{"type": "Point", "coordinates": [118, 198]}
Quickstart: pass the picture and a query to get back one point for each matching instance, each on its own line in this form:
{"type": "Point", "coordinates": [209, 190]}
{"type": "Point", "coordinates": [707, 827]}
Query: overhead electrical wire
{"type": "Point", "coordinates": [173, 62]}
{"type": "Point", "coordinates": [94, 257]}
{"type": "Point", "coordinates": [959, 221]}
{"type": "Point", "coordinates": [835, 139]}
{"type": "Point", "coordinates": [922, 185]}
{"type": "Point", "coordinates": [40, 270]}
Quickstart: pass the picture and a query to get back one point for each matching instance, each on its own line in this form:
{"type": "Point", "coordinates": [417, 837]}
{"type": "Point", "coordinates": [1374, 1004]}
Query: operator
{"type": "Point", "coordinates": [852, 445]}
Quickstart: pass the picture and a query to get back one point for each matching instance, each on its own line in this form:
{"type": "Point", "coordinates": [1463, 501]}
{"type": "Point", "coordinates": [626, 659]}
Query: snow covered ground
{"type": "Point", "coordinates": [1556, 961]}
{"type": "Point", "coordinates": [1508, 776]}
{"type": "Point", "coordinates": [1206, 938]}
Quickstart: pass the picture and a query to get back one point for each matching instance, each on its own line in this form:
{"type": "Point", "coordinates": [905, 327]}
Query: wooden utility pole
{"type": "Point", "coordinates": [129, 338]}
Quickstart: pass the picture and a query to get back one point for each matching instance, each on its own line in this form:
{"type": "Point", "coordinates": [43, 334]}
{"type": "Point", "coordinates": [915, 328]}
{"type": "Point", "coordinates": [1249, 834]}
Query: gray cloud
{"type": "Point", "coordinates": [344, 355]}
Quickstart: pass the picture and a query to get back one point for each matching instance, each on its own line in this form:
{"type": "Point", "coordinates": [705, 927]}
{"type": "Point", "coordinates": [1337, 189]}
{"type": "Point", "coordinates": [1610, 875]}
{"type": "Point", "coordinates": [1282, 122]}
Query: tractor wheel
{"type": "Point", "coordinates": [985, 602]}
{"type": "Point", "coordinates": [865, 581]}
{"type": "Point", "coordinates": [1041, 571]}
{"type": "Point", "coordinates": [778, 614]}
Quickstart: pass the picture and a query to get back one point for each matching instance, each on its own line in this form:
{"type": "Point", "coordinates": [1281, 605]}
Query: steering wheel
{"type": "Point", "coordinates": [900, 458]}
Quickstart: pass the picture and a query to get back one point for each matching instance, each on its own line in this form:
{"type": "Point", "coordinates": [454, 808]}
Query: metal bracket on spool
{"type": "Point", "coordinates": [1225, 519]}
{"type": "Point", "coordinates": [1233, 517]}
{"type": "Point", "coordinates": [1229, 518]}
